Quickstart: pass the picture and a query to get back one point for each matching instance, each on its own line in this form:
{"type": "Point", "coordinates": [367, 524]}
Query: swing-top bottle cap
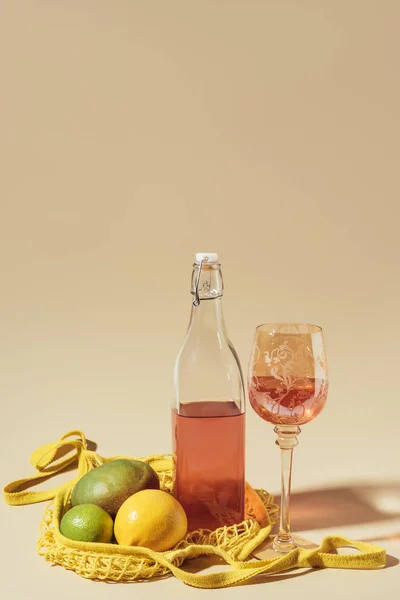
{"type": "Point", "coordinates": [210, 257]}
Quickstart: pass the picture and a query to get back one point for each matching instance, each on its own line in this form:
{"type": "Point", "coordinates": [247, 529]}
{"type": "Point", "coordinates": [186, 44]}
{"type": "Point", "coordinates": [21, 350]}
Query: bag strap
{"type": "Point", "coordinates": [370, 557]}
{"type": "Point", "coordinates": [49, 460]}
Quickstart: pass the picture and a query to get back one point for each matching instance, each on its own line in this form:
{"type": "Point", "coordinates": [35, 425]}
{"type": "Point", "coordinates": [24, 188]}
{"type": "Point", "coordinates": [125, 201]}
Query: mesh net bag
{"type": "Point", "coordinates": [114, 563]}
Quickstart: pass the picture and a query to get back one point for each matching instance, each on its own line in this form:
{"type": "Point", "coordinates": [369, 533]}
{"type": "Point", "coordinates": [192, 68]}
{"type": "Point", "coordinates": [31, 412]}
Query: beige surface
{"type": "Point", "coordinates": [136, 133]}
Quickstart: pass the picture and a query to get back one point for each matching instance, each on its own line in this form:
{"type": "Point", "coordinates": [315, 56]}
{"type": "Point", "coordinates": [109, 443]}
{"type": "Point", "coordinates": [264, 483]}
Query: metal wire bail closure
{"type": "Point", "coordinates": [196, 301]}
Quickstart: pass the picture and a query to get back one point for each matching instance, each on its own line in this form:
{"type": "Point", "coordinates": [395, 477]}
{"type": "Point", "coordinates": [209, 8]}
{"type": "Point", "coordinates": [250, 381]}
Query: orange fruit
{"type": "Point", "coordinates": [254, 507]}
{"type": "Point", "coordinates": [150, 518]}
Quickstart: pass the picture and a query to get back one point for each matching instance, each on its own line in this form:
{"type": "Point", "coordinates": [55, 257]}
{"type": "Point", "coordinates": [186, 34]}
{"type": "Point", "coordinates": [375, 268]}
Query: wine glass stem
{"type": "Point", "coordinates": [286, 440]}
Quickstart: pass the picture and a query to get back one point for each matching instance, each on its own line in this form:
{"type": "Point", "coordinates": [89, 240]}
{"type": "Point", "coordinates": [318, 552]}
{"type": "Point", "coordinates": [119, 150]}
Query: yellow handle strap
{"type": "Point", "coordinates": [49, 460]}
{"type": "Point", "coordinates": [370, 557]}
{"type": "Point", "coordinates": [54, 457]}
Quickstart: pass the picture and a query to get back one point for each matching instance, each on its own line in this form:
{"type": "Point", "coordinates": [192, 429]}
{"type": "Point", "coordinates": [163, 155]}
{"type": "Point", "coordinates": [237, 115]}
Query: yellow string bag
{"type": "Point", "coordinates": [111, 562]}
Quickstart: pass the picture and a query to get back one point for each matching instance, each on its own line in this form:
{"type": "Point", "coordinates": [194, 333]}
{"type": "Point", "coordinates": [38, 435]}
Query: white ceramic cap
{"type": "Point", "coordinates": [212, 257]}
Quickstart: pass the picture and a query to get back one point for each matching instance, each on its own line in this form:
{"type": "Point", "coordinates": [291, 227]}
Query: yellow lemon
{"type": "Point", "coordinates": [150, 518]}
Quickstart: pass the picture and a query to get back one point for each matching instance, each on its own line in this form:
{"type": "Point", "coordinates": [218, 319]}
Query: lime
{"type": "Point", "coordinates": [87, 523]}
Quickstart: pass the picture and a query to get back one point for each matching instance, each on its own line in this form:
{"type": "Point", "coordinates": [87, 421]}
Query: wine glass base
{"type": "Point", "coordinates": [269, 549]}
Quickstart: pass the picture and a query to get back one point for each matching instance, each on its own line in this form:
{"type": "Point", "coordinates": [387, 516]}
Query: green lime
{"type": "Point", "coordinates": [87, 523]}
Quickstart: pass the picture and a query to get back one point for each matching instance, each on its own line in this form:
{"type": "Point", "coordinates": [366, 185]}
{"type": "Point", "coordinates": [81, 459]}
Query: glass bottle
{"type": "Point", "coordinates": [208, 412]}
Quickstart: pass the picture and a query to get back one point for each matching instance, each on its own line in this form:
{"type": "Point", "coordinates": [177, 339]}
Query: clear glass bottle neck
{"type": "Point", "coordinates": [207, 289]}
{"type": "Point", "coordinates": [207, 318]}
{"type": "Point", "coordinates": [207, 282]}
{"type": "Point", "coordinates": [207, 368]}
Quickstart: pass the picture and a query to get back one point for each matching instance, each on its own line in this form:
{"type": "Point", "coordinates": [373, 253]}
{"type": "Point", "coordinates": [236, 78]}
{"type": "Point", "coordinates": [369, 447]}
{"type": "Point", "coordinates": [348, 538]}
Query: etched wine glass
{"type": "Point", "coordinates": [288, 386]}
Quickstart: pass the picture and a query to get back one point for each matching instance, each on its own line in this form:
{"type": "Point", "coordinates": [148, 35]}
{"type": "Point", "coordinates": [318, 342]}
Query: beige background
{"type": "Point", "coordinates": [134, 134]}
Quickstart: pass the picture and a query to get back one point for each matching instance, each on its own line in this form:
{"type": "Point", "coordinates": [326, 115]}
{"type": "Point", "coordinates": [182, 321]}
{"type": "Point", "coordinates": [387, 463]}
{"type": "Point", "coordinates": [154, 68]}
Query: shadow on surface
{"type": "Point", "coordinates": [196, 565]}
{"type": "Point", "coordinates": [391, 561]}
{"type": "Point", "coordinates": [260, 579]}
{"type": "Point", "coordinates": [352, 505]}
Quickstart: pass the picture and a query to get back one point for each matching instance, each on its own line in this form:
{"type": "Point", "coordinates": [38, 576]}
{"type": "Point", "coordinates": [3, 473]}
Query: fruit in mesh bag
{"type": "Point", "coordinates": [254, 507]}
{"type": "Point", "coordinates": [87, 523]}
{"type": "Point", "coordinates": [150, 518]}
{"type": "Point", "coordinates": [111, 484]}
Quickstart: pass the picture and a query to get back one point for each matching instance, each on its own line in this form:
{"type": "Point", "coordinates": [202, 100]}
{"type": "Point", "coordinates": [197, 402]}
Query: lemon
{"type": "Point", "coordinates": [150, 518]}
{"type": "Point", "coordinates": [87, 523]}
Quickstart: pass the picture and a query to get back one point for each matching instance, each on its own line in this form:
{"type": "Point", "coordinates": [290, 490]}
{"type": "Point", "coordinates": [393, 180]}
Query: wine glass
{"type": "Point", "coordinates": [288, 386]}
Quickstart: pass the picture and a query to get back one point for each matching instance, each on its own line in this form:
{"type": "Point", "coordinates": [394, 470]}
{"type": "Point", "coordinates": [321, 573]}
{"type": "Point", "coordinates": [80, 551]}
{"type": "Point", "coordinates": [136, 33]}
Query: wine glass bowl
{"type": "Point", "coordinates": [288, 386]}
{"type": "Point", "coordinates": [288, 382]}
